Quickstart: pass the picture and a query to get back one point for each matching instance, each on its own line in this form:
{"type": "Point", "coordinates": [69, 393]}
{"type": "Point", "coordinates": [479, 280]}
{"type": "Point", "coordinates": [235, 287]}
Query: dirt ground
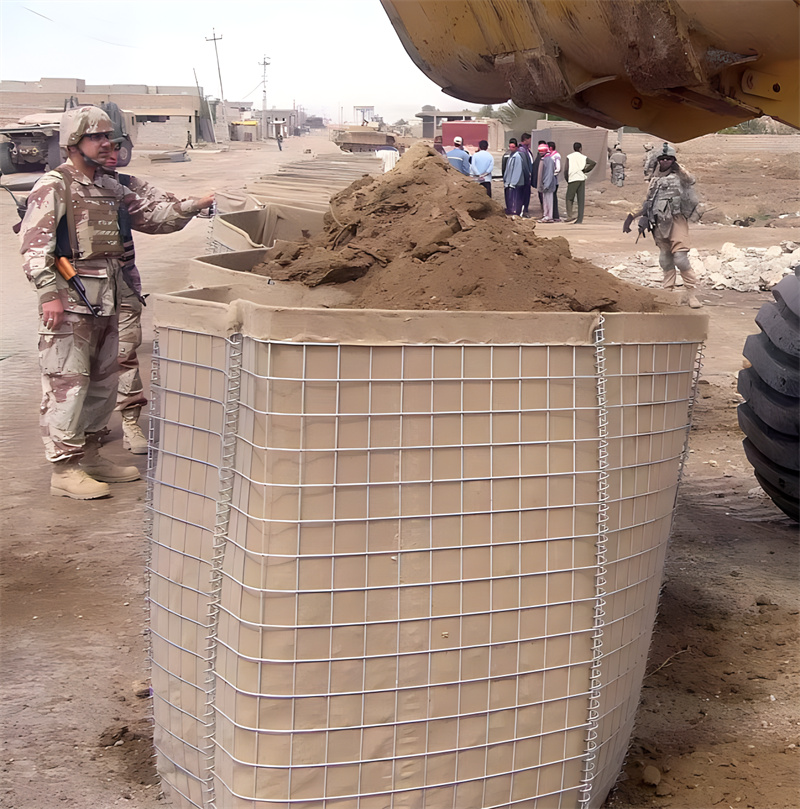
{"type": "Point", "coordinates": [719, 717]}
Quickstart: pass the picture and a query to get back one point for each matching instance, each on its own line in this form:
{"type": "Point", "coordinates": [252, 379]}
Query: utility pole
{"type": "Point", "coordinates": [204, 109]}
{"type": "Point", "coordinates": [214, 38]}
{"type": "Point", "coordinates": [264, 127]}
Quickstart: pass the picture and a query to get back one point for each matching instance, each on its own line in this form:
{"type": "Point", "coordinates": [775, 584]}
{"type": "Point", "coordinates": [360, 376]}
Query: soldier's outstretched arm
{"type": "Point", "coordinates": [155, 211]}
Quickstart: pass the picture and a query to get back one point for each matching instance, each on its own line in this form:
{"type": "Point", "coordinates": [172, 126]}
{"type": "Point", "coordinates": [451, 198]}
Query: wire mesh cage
{"type": "Point", "coordinates": [395, 571]}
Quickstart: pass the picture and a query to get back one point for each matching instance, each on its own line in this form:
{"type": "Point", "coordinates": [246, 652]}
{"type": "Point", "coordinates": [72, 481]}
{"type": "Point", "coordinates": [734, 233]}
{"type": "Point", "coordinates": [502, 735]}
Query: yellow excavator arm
{"type": "Point", "coordinates": [674, 68]}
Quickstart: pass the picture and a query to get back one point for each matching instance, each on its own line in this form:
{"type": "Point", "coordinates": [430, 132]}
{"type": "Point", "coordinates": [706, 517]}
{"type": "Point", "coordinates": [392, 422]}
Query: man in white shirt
{"type": "Point", "coordinates": [482, 166]}
{"type": "Point", "coordinates": [576, 167]}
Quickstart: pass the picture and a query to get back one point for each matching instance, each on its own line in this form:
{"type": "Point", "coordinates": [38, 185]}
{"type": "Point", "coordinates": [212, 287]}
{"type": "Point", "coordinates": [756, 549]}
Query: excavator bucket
{"type": "Point", "coordinates": [676, 68]}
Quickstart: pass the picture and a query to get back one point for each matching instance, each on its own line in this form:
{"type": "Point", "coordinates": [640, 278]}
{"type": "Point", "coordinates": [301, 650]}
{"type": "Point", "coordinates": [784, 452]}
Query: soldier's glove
{"type": "Point", "coordinates": [626, 228]}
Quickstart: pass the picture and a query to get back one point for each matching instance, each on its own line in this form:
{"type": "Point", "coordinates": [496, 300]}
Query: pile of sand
{"type": "Point", "coordinates": [424, 236]}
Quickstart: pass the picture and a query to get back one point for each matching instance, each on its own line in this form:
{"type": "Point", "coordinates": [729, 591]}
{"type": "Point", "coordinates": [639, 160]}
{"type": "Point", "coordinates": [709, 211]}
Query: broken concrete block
{"type": "Point", "coordinates": [768, 278]}
{"type": "Point", "coordinates": [729, 251]}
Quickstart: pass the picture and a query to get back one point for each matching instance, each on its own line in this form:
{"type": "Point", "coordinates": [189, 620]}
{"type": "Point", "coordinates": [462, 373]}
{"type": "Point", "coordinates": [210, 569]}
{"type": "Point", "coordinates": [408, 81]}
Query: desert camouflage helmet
{"type": "Point", "coordinates": [667, 151]}
{"type": "Point", "coordinates": [80, 121]}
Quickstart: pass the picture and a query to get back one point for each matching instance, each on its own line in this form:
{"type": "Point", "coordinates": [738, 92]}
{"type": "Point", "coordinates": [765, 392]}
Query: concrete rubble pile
{"type": "Point", "coordinates": [747, 269]}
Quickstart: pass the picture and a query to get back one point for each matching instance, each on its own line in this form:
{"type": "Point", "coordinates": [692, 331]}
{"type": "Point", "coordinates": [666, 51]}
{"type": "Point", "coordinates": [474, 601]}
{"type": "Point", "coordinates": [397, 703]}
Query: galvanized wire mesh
{"type": "Point", "coordinates": [436, 577]}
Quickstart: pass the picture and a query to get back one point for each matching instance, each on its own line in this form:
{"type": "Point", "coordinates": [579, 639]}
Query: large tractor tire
{"type": "Point", "coordinates": [770, 414]}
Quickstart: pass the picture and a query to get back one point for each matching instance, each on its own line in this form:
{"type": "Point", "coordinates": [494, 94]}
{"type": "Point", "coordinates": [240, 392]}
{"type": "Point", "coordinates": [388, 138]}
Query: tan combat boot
{"type": "Point", "coordinates": [100, 468]}
{"type": "Point", "coordinates": [132, 436]}
{"type": "Point", "coordinates": [691, 301]}
{"type": "Point", "coordinates": [69, 480]}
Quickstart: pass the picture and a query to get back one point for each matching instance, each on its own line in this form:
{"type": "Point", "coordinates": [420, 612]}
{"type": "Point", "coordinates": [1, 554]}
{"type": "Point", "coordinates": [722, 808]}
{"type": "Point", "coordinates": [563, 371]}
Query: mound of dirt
{"type": "Point", "coordinates": [424, 236]}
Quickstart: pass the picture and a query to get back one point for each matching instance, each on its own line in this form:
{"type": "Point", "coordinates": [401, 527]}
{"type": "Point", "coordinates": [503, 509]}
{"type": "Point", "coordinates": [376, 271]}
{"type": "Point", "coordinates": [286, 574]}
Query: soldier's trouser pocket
{"type": "Point", "coordinates": [79, 380]}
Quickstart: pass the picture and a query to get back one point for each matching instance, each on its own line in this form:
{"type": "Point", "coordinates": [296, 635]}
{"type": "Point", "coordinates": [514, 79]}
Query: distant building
{"type": "Point", "coordinates": [285, 122]}
{"type": "Point", "coordinates": [363, 115]}
{"type": "Point", "coordinates": [164, 113]}
{"type": "Point", "coordinates": [432, 119]}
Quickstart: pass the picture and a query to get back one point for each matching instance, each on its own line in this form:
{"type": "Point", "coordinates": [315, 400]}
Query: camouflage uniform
{"type": "Point", "coordinates": [649, 161]}
{"type": "Point", "coordinates": [670, 205]}
{"type": "Point", "coordinates": [79, 359]}
{"type": "Point", "coordinates": [130, 390]}
{"type": "Point", "coordinates": [617, 160]}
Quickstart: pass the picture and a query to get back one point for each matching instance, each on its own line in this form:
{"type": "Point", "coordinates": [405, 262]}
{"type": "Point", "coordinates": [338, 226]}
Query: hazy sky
{"type": "Point", "coordinates": [324, 54]}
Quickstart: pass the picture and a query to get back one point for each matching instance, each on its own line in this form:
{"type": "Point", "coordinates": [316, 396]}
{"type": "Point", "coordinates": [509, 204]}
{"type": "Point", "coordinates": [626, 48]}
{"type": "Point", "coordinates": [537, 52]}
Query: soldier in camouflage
{"type": "Point", "coordinates": [130, 390]}
{"type": "Point", "coordinates": [649, 161]}
{"type": "Point", "coordinates": [670, 205]}
{"type": "Point", "coordinates": [617, 161]}
{"type": "Point", "coordinates": [77, 350]}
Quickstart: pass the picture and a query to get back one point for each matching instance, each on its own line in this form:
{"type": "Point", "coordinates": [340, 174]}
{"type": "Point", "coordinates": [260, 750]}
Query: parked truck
{"type": "Point", "coordinates": [674, 68]}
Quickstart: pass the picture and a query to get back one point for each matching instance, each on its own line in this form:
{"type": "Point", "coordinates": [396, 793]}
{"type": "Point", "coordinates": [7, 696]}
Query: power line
{"type": "Point", "coordinates": [245, 97]}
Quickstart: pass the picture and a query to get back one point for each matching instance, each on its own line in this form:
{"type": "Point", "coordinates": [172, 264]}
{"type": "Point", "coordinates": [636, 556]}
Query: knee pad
{"type": "Point", "coordinates": [666, 261]}
{"type": "Point", "coordinates": [681, 260]}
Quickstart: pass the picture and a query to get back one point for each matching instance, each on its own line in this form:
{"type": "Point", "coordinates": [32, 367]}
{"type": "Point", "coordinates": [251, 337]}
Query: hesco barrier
{"type": "Point", "coordinates": [268, 208]}
{"type": "Point", "coordinates": [250, 230]}
{"type": "Point", "coordinates": [406, 559]}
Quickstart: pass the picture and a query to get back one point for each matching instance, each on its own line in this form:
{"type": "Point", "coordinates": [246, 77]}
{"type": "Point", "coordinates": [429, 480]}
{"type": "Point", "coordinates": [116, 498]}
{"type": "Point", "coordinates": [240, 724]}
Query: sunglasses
{"type": "Point", "coordinates": [99, 136]}
{"type": "Point", "coordinates": [666, 157]}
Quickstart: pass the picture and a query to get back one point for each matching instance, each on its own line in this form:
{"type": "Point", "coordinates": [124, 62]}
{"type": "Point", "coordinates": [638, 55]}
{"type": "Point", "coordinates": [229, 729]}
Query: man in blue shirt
{"type": "Point", "coordinates": [482, 166]}
{"type": "Point", "coordinates": [513, 178]}
{"type": "Point", "coordinates": [457, 157]}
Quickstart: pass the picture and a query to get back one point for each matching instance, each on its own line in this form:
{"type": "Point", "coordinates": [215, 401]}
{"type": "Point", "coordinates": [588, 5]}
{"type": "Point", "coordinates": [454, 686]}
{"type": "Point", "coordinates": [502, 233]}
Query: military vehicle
{"type": "Point", "coordinates": [32, 144]}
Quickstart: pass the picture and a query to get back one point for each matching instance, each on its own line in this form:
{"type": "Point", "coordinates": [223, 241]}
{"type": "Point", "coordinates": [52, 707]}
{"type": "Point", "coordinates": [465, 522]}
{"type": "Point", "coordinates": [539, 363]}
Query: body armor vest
{"type": "Point", "coordinates": [668, 198]}
{"type": "Point", "coordinates": [96, 223]}
{"type": "Point", "coordinates": [90, 228]}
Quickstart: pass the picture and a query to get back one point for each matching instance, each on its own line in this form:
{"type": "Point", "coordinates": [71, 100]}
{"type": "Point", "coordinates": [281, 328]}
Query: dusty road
{"type": "Point", "coordinates": [719, 716]}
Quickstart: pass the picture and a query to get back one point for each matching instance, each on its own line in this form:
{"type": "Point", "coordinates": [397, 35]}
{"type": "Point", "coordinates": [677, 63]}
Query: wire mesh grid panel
{"type": "Point", "coordinates": [408, 610]}
{"type": "Point", "coordinates": [649, 389]}
{"type": "Point", "coordinates": [191, 394]}
{"type": "Point", "coordinates": [409, 580]}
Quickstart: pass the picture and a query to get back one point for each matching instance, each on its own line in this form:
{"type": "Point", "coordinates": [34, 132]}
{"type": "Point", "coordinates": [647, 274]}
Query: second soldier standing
{"type": "Point", "coordinates": [130, 389]}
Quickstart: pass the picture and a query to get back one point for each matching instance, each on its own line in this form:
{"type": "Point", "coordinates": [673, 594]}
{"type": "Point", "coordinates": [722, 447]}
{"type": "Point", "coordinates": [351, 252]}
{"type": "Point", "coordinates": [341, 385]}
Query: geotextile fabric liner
{"type": "Point", "coordinates": [406, 559]}
{"type": "Point", "coordinates": [248, 230]}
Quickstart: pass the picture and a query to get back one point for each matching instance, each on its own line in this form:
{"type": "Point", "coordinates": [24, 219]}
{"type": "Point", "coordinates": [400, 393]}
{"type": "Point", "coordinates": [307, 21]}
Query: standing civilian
{"type": "Point", "coordinates": [513, 178]}
{"type": "Point", "coordinates": [546, 182]}
{"type": "Point", "coordinates": [525, 149]}
{"type": "Point", "coordinates": [482, 166]}
{"type": "Point", "coordinates": [457, 157]}
{"type": "Point", "coordinates": [541, 148]}
{"type": "Point", "coordinates": [576, 167]}
{"type": "Point", "coordinates": [554, 153]}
